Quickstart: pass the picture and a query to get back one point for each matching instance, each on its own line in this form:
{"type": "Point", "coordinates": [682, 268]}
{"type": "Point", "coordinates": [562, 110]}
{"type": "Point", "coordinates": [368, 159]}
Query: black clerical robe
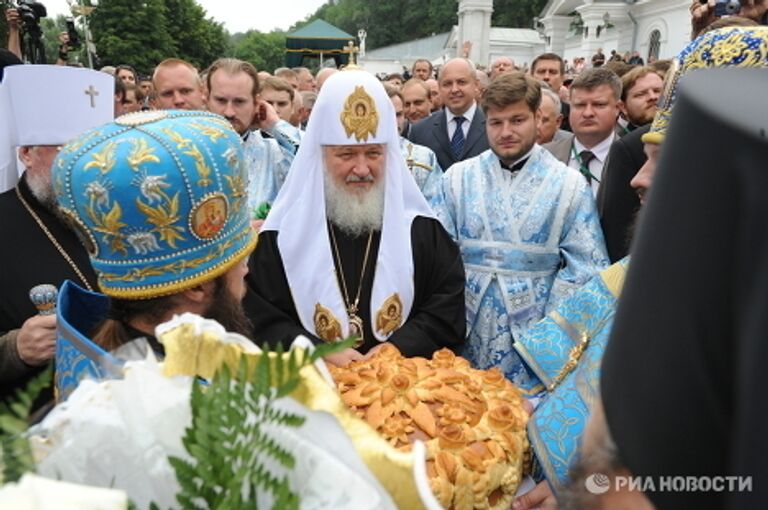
{"type": "Point", "coordinates": [29, 258]}
{"type": "Point", "coordinates": [437, 316]}
{"type": "Point", "coordinates": [684, 373]}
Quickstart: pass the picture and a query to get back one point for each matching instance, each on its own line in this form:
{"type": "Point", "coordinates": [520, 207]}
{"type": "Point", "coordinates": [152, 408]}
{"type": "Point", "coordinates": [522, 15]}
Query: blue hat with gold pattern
{"type": "Point", "coordinates": [723, 47]}
{"type": "Point", "coordinates": [158, 199]}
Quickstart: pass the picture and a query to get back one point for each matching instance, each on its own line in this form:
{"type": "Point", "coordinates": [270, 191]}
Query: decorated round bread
{"type": "Point", "coordinates": [472, 421]}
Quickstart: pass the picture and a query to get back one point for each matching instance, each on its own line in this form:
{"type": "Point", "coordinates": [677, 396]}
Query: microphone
{"type": "Point", "coordinates": [44, 297]}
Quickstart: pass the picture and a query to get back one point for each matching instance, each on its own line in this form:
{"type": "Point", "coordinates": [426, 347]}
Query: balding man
{"type": "Point", "coordinates": [457, 132]}
{"type": "Point", "coordinates": [323, 74]}
{"type": "Point", "coordinates": [502, 65]}
{"type": "Point", "coordinates": [306, 80]}
{"type": "Point", "coordinates": [178, 86]}
{"type": "Point", "coordinates": [434, 94]}
{"type": "Point", "coordinates": [416, 103]}
{"type": "Point", "coordinates": [550, 117]}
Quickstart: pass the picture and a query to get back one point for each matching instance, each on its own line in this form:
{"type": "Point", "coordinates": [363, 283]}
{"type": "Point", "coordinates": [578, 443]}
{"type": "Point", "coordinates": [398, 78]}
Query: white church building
{"type": "Point", "coordinates": [571, 28]}
{"type": "Point", "coordinates": [574, 28]}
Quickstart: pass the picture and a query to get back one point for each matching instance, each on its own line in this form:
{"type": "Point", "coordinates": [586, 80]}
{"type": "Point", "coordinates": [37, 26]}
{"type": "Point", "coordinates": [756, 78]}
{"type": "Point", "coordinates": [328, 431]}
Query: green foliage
{"type": "Point", "coordinates": [265, 51]}
{"type": "Point", "coordinates": [516, 13]}
{"type": "Point", "coordinates": [228, 442]}
{"type": "Point", "coordinates": [142, 37]}
{"type": "Point", "coordinates": [126, 34]}
{"type": "Point", "coordinates": [393, 21]}
{"type": "Point", "coordinates": [389, 21]}
{"type": "Point", "coordinates": [51, 30]}
{"type": "Point", "coordinates": [197, 39]}
{"type": "Point", "coordinates": [15, 454]}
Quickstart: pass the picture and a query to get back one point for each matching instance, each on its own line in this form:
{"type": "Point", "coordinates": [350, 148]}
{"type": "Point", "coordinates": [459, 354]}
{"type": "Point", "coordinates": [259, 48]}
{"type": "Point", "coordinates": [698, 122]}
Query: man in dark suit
{"type": "Point", "coordinates": [617, 202]}
{"type": "Point", "coordinates": [457, 132]}
{"type": "Point", "coordinates": [595, 95]}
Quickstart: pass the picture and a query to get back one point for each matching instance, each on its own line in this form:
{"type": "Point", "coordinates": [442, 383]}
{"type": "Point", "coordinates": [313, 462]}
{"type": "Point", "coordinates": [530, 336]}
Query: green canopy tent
{"type": "Point", "coordinates": [318, 39]}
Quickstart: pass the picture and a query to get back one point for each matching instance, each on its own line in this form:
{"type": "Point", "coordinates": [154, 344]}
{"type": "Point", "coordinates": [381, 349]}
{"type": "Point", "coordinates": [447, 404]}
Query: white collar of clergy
{"type": "Point", "coordinates": [352, 108]}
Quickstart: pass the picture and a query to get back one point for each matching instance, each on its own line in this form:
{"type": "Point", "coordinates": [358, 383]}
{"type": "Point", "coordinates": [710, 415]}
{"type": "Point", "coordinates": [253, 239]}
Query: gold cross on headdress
{"type": "Point", "coordinates": [352, 50]}
{"type": "Point", "coordinates": [91, 91]}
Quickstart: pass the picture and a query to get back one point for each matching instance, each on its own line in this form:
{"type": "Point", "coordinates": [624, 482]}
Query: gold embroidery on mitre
{"type": "Point", "coordinates": [75, 224]}
{"type": "Point", "coordinates": [327, 326]}
{"type": "Point", "coordinates": [390, 315]}
{"type": "Point", "coordinates": [209, 216]}
{"type": "Point", "coordinates": [359, 116]}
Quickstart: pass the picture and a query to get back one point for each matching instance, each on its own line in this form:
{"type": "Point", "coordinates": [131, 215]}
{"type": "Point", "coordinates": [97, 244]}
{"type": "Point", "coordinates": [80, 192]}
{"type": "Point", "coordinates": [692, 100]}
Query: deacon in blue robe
{"type": "Point", "coordinates": [527, 227]}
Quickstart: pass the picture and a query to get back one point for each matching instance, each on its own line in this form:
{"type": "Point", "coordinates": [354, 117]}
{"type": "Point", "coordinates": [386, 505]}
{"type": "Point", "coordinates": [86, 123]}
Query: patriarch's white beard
{"type": "Point", "coordinates": [354, 213]}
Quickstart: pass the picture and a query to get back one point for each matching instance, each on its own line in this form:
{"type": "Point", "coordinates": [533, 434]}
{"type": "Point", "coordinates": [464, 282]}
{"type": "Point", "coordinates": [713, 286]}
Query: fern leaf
{"type": "Point", "coordinates": [229, 441]}
{"type": "Point", "coordinates": [15, 454]}
{"type": "Point", "coordinates": [262, 376]}
{"type": "Point", "coordinates": [281, 417]}
{"type": "Point", "coordinates": [286, 388]}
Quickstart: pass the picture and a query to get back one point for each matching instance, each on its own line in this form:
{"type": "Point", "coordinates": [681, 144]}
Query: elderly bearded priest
{"type": "Point", "coordinates": [351, 246]}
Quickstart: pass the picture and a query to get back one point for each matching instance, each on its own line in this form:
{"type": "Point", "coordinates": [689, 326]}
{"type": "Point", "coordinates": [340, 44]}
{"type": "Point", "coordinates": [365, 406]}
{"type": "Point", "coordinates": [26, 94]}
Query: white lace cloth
{"type": "Point", "coordinates": [33, 492]}
{"type": "Point", "coordinates": [120, 433]}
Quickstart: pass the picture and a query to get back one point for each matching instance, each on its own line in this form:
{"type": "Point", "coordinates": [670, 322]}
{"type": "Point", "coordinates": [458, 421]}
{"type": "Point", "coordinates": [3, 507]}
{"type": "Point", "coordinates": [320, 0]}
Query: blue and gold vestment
{"type": "Point", "coordinates": [424, 167]}
{"type": "Point", "coordinates": [528, 238]}
{"type": "Point", "coordinates": [564, 350]}
{"type": "Point", "coordinates": [78, 311]}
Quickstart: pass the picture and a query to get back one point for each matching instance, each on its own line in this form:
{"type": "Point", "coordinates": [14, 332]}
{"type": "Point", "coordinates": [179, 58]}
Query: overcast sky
{"type": "Point", "coordinates": [237, 15]}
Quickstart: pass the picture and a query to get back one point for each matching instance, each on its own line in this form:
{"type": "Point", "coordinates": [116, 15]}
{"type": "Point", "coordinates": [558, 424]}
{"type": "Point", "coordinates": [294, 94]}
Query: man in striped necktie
{"type": "Point", "coordinates": [456, 132]}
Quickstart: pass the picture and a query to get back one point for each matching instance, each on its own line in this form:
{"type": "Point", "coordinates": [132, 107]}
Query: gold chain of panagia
{"type": "Point", "coordinates": [351, 307]}
{"type": "Point", "coordinates": [53, 240]}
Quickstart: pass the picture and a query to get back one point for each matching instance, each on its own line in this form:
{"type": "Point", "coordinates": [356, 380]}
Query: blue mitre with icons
{"type": "Point", "coordinates": [565, 350]}
{"type": "Point", "coordinates": [78, 312]}
{"type": "Point", "coordinates": [741, 47]}
{"type": "Point", "coordinates": [158, 199]}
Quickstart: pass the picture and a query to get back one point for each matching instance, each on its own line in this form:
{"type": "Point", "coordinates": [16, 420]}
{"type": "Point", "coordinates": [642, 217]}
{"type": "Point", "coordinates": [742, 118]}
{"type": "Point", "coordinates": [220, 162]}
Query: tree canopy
{"type": "Point", "coordinates": [142, 37]}
{"type": "Point", "coordinates": [125, 33]}
{"type": "Point", "coordinates": [389, 21]}
{"type": "Point", "coordinates": [265, 51]}
{"type": "Point", "coordinates": [392, 21]}
{"type": "Point", "coordinates": [198, 39]}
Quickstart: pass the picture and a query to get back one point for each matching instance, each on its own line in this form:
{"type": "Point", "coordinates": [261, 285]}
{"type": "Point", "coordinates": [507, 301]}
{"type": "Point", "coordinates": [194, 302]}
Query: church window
{"type": "Point", "coordinates": [654, 44]}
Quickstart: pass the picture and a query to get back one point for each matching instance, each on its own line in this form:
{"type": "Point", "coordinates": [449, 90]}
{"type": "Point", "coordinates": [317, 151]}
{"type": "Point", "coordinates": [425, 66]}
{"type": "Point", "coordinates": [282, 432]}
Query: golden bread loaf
{"type": "Point", "coordinates": [472, 421]}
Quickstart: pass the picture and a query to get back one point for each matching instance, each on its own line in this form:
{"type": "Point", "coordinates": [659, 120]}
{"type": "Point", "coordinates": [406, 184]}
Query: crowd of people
{"type": "Point", "coordinates": [492, 213]}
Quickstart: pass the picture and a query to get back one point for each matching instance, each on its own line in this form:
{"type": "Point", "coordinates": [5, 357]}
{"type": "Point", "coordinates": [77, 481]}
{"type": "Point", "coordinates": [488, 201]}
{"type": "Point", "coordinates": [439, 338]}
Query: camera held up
{"type": "Point", "coordinates": [30, 13]}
